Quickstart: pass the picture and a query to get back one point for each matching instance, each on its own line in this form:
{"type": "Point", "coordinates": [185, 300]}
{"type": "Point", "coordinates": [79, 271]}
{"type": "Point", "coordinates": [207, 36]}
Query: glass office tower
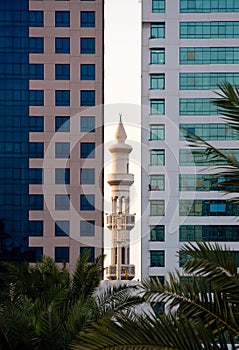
{"type": "Point", "coordinates": [188, 48]}
{"type": "Point", "coordinates": [51, 74]}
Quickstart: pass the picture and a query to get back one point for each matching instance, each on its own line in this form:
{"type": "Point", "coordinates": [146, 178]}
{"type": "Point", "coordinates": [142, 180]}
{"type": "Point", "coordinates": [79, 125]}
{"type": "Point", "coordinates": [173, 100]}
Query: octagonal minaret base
{"type": "Point", "coordinates": [120, 221]}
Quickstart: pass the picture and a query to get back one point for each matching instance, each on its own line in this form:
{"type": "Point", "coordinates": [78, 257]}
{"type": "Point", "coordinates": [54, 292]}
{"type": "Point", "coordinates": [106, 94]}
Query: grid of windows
{"type": "Point", "coordinates": [87, 45]}
{"type": "Point", "coordinates": [62, 45]}
{"type": "Point", "coordinates": [62, 228]}
{"type": "Point", "coordinates": [204, 182]}
{"type": "Point", "coordinates": [87, 19]}
{"type": "Point", "coordinates": [209, 131]}
{"type": "Point", "coordinates": [87, 202]}
{"type": "Point", "coordinates": [62, 124]}
{"type": "Point", "coordinates": [157, 183]}
{"type": "Point", "coordinates": [62, 202]}
{"type": "Point", "coordinates": [87, 228]}
{"type": "Point", "coordinates": [209, 233]}
{"type": "Point", "coordinates": [157, 157]}
{"type": "Point", "coordinates": [62, 150]}
{"type": "Point", "coordinates": [62, 176]}
{"type": "Point", "coordinates": [62, 18]}
{"type": "Point", "coordinates": [207, 30]}
{"type": "Point", "coordinates": [62, 254]}
{"type": "Point", "coordinates": [157, 56]}
{"type": "Point", "coordinates": [157, 30]}
{"type": "Point", "coordinates": [157, 132]}
{"type": "Point", "coordinates": [209, 55]}
{"type": "Point", "coordinates": [197, 106]}
{"type": "Point", "coordinates": [87, 176]}
{"type": "Point", "coordinates": [158, 6]}
{"type": "Point", "coordinates": [157, 107]}
{"type": "Point", "coordinates": [90, 250]}
{"type": "Point", "coordinates": [62, 98]}
{"type": "Point", "coordinates": [87, 98]}
{"type": "Point", "coordinates": [87, 124]}
{"type": "Point", "coordinates": [206, 81]}
{"type": "Point", "coordinates": [207, 208]}
{"type": "Point", "coordinates": [157, 258]}
{"type": "Point", "coordinates": [87, 150]}
{"type": "Point", "coordinates": [62, 72]}
{"type": "Point", "coordinates": [208, 6]}
{"type": "Point", "coordinates": [157, 233]}
{"type": "Point", "coordinates": [157, 81]}
{"type": "Point", "coordinates": [87, 72]}
{"type": "Point", "coordinates": [188, 158]}
{"type": "Point", "coordinates": [157, 207]}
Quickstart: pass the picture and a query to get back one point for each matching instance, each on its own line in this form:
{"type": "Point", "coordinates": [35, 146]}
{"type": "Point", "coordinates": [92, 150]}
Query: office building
{"type": "Point", "coordinates": [51, 67]}
{"type": "Point", "coordinates": [188, 48]}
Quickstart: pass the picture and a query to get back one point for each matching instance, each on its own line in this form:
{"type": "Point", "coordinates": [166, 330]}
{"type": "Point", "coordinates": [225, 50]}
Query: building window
{"type": "Point", "coordinates": [87, 124]}
{"type": "Point", "coordinates": [36, 124]}
{"type": "Point", "coordinates": [62, 176]}
{"type": "Point", "coordinates": [207, 208]}
{"type": "Point", "coordinates": [91, 252]}
{"type": "Point", "coordinates": [62, 45]}
{"type": "Point", "coordinates": [157, 107]}
{"type": "Point", "coordinates": [62, 18]}
{"type": "Point", "coordinates": [157, 81]}
{"type": "Point", "coordinates": [35, 149]}
{"type": "Point", "coordinates": [157, 132]}
{"type": "Point", "coordinates": [206, 81]}
{"type": "Point", "coordinates": [87, 202]}
{"type": "Point", "coordinates": [87, 98]}
{"type": "Point", "coordinates": [205, 182]}
{"type": "Point", "coordinates": [62, 72]}
{"type": "Point", "coordinates": [36, 45]}
{"type": "Point", "coordinates": [87, 19]}
{"type": "Point", "coordinates": [187, 158]}
{"type": "Point", "coordinates": [209, 131]}
{"type": "Point", "coordinates": [62, 228]}
{"type": "Point", "coordinates": [157, 208]}
{"type": "Point", "coordinates": [87, 150]}
{"type": "Point", "coordinates": [157, 56]}
{"type": "Point", "coordinates": [36, 71]}
{"type": "Point", "coordinates": [62, 202]}
{"type": "Point", "coordinates": [157, 258]}
{"type": "Point", "coordinates": [87, 176]}
{"type": "Point", "coordinates": [157, 233]}
{"type": "Point", "coordinates": [62, 124]}
{"type": "Point", "coordinates": [158, 6]}
{"type": "Point", "coordinates": [35, 228]}
{"type": "Point", "coordinates": [156, 183]}
{"type": "Point", "coordinates": [62, 150]}
{"type": "Point", "coordinates": [36, 97]}
{"type": "Point", "coordinates": [87, 45]}
{"type": "Point", "coordinates": [35, 176]}
{"type": "Point", "coordinates": [87, 228]}
{"type": "Point", "coordinates": [209, 55]}
{"type": "Point", "coordinates": [197, 106]}
{"type": "Point", "coordinates": [197, 6]}
{"type": "Point", "coordinates": [36, 202]}
{"type": "Point", "coordinates": [209, 30]}
{"type": "Point", "coordinates": [87, 72]}
{"type": "Point", "coordinates": [157, 157]}
{"type": "Point", "coordinates": [62, 254]}
{"type": "Point", "coordinates": [157, 30]}
{"type": "Point", "coordinates": [62, 98]}
{"type": "Point", "coordinates": [36, 19]}
{"type": "Point", "coordinates": [209, 233]}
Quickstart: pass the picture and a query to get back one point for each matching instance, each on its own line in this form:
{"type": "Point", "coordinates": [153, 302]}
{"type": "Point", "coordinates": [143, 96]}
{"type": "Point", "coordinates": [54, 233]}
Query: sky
{"type": "Point", "coordinates": [123, 95]}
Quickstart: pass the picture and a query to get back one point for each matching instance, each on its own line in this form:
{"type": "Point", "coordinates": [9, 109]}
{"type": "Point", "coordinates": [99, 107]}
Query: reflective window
{"type": "Point", "coordinates": [62, 228]}
{"type": "Point", "coordinates": [157, 258]}
{"type": "Point", "coordinates": [87, 72]}
{"type": "Point", "coordinates": [62, 150]}
{"type": "Point", "coordinates": [62, 18]}
{"type": "Point", "coordinates": [62, 176]}
{"type": "Point", "coordinates": [209, 131]}
{"type": "Point", "coordinates": [157, 157]}
{"type": "Point", "coordinates": [87, 19]}
{"type": "Point", "coordinates": [205, 182]}
{"type": "Point", "coordinates": [90, 250]}
{"type": "Point", "coordinates": [87, 98]}
{"type": "Point", "coordinates": [87, 176]}
{"type": "Point", "coordinates": [62, 123]}
{"type": "Point", "coordinates": [35, 176]}
{"type": "Point", "coordinates": [156, 183]}
{"type": "Point", "coordinates": [36, 97]}
{"type": "Point", "coordinates": [87, 124]}
{"type": "Point", "coordinates": [157, 56]}
{"type": "Point", "coordinates": [36, 45]}
{"type": "Point", "coordinates": [36, 71]}
{"type": "Point", "coordinates": [157, 30]}
{"type": "Point", "coordinates": [62, 45]}
{"type": "Point", "coordinates": [87, 45]}
{"type": "Point", "coordinates": [36, 202]}
{"type": "Point", "coordinates": [157, 107]}
{"type": "Point", "coordinates": [87, 228]}
{"type": "Point", "coordinates": [158, 6]}
{"type": "Point", "coordinates": [157, 208]}
{"type": "Point", "coordinates": [87, 202]}
{"type": "Point", "coordinates": [207, 30]}
{"type": "Point", "coordinates": [87, 150]}
{"type": "Point", "coordinates": [157, 132]}
{"type": "Point", "coordinates": [36, 123]}
{"type": "Point", "coordinates": [188, 158]}
{"type": "Point", "coordinates": [157, 81]}
{"type": "Point", "coordinates": [62, 98]}
{"type": "Point", "coordinates": [62, 202]}
{"type": "Point", "coordinates": [62, 72]}
{"type": "Point", "coordinates": [197, 106]}
{"type": "Point", "coordinates": [157, 233]}
{"type": "Point", "coordinates": [62, 254]}
{"type": "Point", "coordinates": [192, 6]}
{"type": "Point", "coordinates": [36, 19]}
{"type": "Point", "coordinates": [209, 55]}
{"type": "Point", "coordinates": [206, 81]}
{"type": "Point", "coordinates": [35, 228]}
{"type": "Point", "coordinates": [207, 208]}
{"type": "Point", "coordinates": [209, 233]}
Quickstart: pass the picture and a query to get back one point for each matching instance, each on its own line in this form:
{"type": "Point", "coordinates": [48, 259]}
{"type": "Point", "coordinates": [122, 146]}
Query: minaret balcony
{"type": "Point", "coordinates": [127, 272]}
{"type": "Point", "coordinates": [124, 222]}
{"type": "Point", "coordinates": [120, 179]}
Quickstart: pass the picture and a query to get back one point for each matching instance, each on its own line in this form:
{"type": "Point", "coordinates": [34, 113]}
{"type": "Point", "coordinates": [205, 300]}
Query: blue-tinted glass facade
{"type": "Point", "coordinates": [199, 6]}
{"type": "Point", "coordinates": [15, 125]}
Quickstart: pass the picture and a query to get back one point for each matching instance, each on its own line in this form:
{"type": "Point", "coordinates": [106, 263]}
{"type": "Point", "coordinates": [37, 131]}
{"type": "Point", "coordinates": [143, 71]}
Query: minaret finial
{"type": "Point", "coordinates": [120, 115]}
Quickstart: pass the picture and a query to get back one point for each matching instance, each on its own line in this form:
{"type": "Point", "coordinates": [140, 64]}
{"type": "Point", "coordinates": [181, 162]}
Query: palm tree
{"type": "Point", "coordinates": [203, 309]}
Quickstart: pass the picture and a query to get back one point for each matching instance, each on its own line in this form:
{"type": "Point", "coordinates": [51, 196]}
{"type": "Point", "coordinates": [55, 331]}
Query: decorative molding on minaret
{"type": "Point", "coordinates": [120, 221]}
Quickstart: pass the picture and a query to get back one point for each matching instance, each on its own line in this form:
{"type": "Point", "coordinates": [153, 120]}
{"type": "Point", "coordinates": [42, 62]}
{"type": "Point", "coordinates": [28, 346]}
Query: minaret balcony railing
{"type": "Point", "coordinates": [120, 179]}
{"type": "Point", "coordinates": [127, 221]}
{"type": "Point", "coordinates": [127, 272]}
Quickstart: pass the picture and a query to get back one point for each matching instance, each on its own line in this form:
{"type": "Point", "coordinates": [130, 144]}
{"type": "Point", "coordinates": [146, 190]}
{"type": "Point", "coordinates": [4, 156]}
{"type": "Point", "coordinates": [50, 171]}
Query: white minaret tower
{"type": "Point", "coordinates": [120, 222]}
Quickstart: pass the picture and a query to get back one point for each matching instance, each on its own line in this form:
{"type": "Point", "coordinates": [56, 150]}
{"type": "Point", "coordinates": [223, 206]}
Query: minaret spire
{"type": "Point", "coordinates": [120, 221]}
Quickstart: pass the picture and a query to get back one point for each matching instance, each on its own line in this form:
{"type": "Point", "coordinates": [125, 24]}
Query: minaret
{"type": "Point", "coordinates": [120, 222]}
